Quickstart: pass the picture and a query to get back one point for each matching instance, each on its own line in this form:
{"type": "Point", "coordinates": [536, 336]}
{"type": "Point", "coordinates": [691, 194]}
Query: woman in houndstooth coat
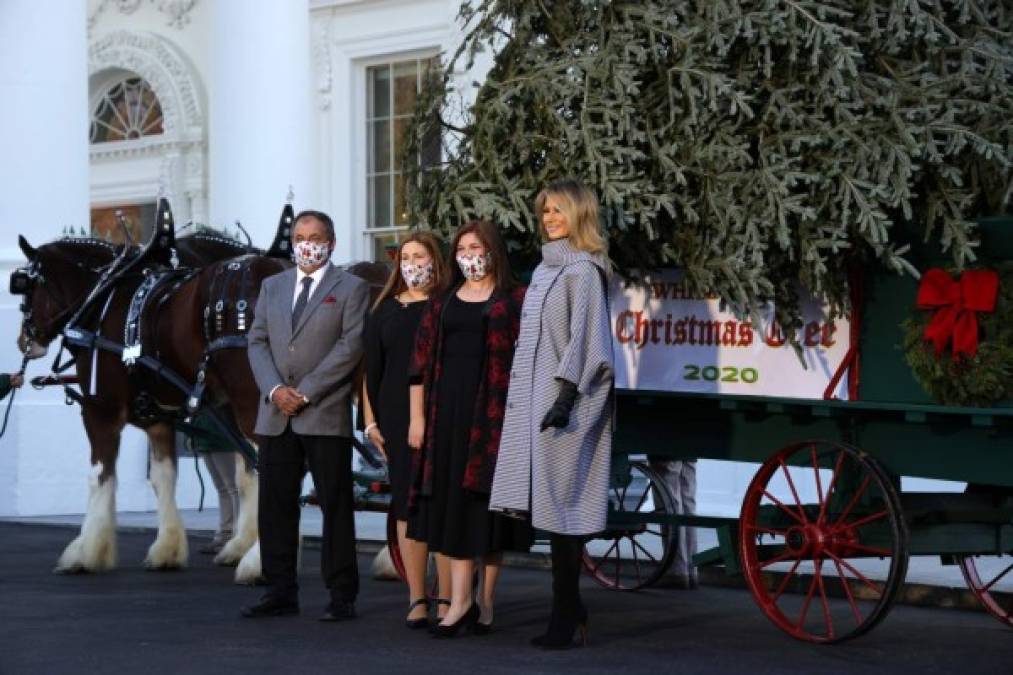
{"type": "Point", "coordinates": [555, 451]}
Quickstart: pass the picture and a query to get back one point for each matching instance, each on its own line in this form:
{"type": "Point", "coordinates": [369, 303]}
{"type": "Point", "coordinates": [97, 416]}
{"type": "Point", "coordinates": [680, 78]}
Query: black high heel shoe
{"type": "Point", "coordinates": [479, 628]}
{"type": "Point", "coordinates": [561, 630]}
{"type": "Point", "coordinates": [416, 624]}
{"type": "Point", "coordinates": [470, 618]}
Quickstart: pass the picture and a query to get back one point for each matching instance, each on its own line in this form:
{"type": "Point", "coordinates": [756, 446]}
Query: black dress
{"type": "Point", "coordinates": [453, 520]}
{"type": "Point", "coordinates": [390, 338]}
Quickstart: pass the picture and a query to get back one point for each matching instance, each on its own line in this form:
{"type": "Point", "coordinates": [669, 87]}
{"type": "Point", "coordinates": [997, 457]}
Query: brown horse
{"type": "Point", "coordinates": [62, 275]}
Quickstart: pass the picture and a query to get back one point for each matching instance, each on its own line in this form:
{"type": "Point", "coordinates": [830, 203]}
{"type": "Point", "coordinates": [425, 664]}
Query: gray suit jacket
{"type": "Point", "coordinates": [318, 357]}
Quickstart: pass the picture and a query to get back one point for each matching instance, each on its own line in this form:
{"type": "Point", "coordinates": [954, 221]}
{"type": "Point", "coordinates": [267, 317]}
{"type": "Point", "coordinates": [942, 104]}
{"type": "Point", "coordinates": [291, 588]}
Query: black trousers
{"type": "Point", "coordinates": [282, 465]}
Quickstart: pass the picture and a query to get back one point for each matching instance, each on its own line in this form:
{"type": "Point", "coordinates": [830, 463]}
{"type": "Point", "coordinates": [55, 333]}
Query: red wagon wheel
{"type": "Point", "coordinates": [984, 573]}
{"type": "Point", "coordinates": [982, 584]}
{"type": "Point", "coordinates": [823, 519]}
{"type": "Point", "coordinates": [629, 557]}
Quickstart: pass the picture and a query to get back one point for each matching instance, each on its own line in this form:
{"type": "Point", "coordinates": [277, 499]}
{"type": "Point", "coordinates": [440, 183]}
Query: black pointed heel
{"type": "Point", "coordinates": [416, 624]}
{"type": "Point", "coordinates": [470, 618]}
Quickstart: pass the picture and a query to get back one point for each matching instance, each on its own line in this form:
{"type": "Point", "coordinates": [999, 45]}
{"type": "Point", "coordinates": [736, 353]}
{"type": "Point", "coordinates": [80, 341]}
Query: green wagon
{"type": "Point", "coordinates": [825, 530]}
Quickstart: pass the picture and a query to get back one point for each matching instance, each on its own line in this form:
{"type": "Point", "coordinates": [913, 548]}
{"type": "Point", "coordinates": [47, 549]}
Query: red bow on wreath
{"type": "Point", "coordinates": [956, 303]}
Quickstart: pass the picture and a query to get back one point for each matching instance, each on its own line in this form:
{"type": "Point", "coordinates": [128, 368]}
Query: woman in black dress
{"type": "Point", "coordinates": [390, 338]}
{"type": "Point", "coordinates": [460, 375]}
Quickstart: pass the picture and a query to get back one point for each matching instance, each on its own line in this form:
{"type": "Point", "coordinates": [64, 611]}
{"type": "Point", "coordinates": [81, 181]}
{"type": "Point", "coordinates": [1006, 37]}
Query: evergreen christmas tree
{"type": "Point", "coordinates": [754, 143]}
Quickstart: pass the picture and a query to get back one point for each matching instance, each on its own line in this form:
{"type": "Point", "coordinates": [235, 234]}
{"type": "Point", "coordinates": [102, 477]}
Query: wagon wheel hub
{"type": "Point", "coordinates": [808, 541]}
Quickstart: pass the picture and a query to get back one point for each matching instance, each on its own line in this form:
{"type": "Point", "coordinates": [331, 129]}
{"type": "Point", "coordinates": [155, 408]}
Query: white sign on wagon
{"type": "Point", "coordinates": [667, 340]}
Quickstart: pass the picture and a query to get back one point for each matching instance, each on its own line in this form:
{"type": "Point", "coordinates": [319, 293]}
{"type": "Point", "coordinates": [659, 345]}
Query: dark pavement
{"type": "Point", "coordinates": [133, 621]}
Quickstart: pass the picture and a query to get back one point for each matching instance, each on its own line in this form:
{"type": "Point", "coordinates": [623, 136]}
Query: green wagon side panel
{"type": "Point", "coordinates": [925, 441]}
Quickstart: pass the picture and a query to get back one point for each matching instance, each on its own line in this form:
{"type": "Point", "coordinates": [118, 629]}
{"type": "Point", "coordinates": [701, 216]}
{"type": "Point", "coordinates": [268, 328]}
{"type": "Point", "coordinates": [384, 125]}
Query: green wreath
{"type": "Point", "coordinates": [980, 381]}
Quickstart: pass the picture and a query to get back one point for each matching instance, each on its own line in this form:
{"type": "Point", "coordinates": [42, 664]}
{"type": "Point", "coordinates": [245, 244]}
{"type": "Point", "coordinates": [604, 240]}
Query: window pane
{"type": "Point", "coordinates": [400, 204]}
{"type": "Point", "coordinates": [379, 91]}
{"type": "Point", "coordinates": [406, 86]}
{"type": "Point", "coordinates": [379, 147]}
{"type": "Point", "coordinates": [379, 201]}
{"type": "Point", "coordinates": [128, 110]}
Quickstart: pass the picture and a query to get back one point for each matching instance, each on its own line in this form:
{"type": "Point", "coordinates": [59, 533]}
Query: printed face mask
{"type": "Point", "coordinates": [310, 253]}
{"type": "Point", "coordinates": [417, 276]}
{"type": "Point", "coordinates": [474, 267]}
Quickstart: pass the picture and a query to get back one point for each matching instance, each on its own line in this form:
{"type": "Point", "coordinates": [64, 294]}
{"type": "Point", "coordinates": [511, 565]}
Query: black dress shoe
{"type": "Point", "coordinates": [270, 607]}
{"type": "Point", "coordinates": [339, 611]}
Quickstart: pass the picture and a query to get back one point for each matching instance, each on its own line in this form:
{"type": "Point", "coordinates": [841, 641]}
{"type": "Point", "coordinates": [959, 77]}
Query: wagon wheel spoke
{"type": "Point", "coordinates": [777, 502]}
{"type": "Point", "coordinates": [643, 498]}
{"type": "Point", "coordinates": [656, 533]}
{"type": "Point", "coordinates": [794, 492]}
{"type": "Point", "coordinates": [861, 577]}
{"type": "Point", "coordinates": [776, 559]}
{"type": "Point", "coordinates": [861, 521]}
{"type": "Point", "coordinates": [847, 592]}
{"type": "Point", "coordinates": [996, 580]}
{"type": "Point", "coordinates": [602, 559]}
{"type": "Point", "coordinates": [618, 562]}
{"type": "Point", "coordinates": [823, 598]}
{"type": "Point", "coordinates": [830, 487]}
{"type": "Point", "coordinates": [854, 500]}
{"type": "Point", "coordinates": [636, 561]}
{"type": "Point", "coordinates": [784, 582]}
{"type": "Point", "coordinates": [644, 551]}
{"type": "Point", "coordinates": [805, 605]}
{"type": "Point", "coordinates": [816, 471]}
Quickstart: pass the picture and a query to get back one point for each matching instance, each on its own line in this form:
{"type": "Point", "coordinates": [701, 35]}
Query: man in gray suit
{"type": "Point", "coordinates": [304, 346]}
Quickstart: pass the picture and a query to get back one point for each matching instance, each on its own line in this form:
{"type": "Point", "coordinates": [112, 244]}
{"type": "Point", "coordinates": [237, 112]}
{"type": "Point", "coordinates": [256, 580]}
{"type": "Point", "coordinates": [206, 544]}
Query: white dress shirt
{"type": "Point", "coordinates": [299, 276]}
{"type": "Point", "coordinates": [316, 276]}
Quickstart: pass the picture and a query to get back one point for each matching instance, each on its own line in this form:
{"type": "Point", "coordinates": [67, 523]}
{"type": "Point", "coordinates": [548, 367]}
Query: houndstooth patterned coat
{"type": "Point", "coordinates": [560, 476]}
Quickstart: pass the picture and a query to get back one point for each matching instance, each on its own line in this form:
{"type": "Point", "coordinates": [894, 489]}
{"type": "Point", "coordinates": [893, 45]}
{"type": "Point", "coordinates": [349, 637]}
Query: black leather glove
{"type": "Point", "coordinates": [559, 414]}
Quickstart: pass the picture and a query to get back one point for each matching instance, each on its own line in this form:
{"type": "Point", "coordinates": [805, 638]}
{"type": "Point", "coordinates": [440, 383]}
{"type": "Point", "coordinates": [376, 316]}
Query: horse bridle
{"type": "Point", "coordinates": [24, 281]}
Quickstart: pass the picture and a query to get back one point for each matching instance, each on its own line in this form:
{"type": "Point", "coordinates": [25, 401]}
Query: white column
{"type": "Point", "coordinates": [260, 112]}
{"type": "Point", "coordinates": [44, 120]}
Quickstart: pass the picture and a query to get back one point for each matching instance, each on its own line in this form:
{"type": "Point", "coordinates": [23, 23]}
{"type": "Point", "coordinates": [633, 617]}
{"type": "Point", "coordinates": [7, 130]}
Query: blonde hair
{"type": "Point", "coordinates": [581, 207]}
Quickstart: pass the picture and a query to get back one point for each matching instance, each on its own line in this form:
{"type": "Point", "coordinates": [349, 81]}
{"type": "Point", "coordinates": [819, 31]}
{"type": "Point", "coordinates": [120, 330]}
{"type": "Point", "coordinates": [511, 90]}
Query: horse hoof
{"type": "Point", "coordinates": [249, 572]}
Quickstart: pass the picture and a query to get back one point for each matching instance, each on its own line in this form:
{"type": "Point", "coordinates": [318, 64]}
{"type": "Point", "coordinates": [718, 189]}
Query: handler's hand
{"type": "Point", "coordinates": [17, 379]}
{"type": "Point", "coordinates": [288, 400]}
{"type": "Point", "coordinates": [376, 438]}
{"type": "Point", "coordinates": [416, 431]}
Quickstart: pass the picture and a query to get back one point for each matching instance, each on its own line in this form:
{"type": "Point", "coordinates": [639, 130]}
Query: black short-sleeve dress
{"type": "Point", "coordinates": [390, 337]}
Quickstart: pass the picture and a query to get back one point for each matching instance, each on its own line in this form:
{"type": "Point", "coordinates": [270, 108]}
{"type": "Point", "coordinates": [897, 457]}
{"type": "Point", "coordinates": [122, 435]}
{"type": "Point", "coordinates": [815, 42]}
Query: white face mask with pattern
{"type": "Point", "coordinates": [474, 267]}
{"type": "Point", "coordinates": [310, 253]}
{"type": "Point", "coordinates": [417, 276]}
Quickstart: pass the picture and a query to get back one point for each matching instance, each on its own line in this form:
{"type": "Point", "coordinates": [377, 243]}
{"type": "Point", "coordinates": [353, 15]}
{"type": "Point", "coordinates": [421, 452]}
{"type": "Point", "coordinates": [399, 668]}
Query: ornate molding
{"type": "Point", "coordinates": [151, 57]}
{"type": "Point", "coordinates": [321, 55]}
{"type": "Point", "coordinates": [178, 11]}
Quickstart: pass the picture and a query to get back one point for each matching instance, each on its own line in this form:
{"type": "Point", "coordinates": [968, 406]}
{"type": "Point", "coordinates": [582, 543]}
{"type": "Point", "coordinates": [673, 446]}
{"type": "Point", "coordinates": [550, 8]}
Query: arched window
{"type": "Point", "coordinates": [127, 111]}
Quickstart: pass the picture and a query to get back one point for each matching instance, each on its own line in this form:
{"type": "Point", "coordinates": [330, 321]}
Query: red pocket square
{"type": "Point", "coordinates": [330, 300]}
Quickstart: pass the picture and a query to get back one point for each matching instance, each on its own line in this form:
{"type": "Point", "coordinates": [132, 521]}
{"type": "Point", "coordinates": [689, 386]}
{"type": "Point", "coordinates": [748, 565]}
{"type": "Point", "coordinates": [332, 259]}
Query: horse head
{"type": "Point", "coordinates": [58, 277]}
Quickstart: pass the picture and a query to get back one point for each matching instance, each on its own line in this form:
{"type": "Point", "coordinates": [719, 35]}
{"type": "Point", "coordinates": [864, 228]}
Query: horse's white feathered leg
{"type": "Point", "coordinates": [94, 549]}
{"type": "Point", "coordinates": [245, 535]}
{"type": "Point", "coordinates": [170, 549]}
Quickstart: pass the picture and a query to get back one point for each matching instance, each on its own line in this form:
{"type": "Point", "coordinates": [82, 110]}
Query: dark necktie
{"type": "Point", "coordinates": [300, 303]}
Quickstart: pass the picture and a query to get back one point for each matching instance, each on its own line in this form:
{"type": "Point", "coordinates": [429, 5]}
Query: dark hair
{"type": "Point", "coordinates": [395, 283]}
{"type": "Point", "coordinates": [321, 217]}
{"type": "Point", "coordinates": [492, 240]}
